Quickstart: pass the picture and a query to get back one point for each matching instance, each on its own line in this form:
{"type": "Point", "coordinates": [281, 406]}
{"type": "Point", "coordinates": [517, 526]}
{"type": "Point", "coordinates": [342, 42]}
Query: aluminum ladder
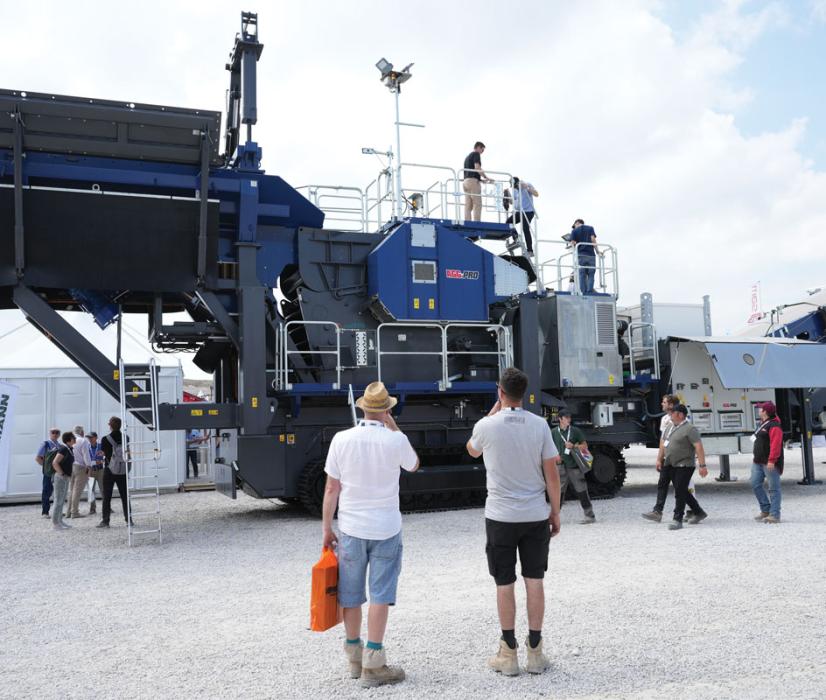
{"type": "Point", "coordinates": [142, 449]}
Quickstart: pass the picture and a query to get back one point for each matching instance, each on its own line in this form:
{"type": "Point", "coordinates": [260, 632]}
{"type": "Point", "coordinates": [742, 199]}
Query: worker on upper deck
{"type": "Point", "coordinates": [473, 176]}
{"type": "Point", "coordinates": [521, 197]}
{"type": "Point", "coordinates": [586, 253]}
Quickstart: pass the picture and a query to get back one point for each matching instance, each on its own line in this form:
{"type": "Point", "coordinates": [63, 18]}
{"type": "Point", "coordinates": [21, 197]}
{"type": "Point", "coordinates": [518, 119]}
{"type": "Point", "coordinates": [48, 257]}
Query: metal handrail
{"type": "Point", "coordinates": [394, 324]}
{"type": "Point", "coordinates": [609, 272]}
{"type": "Point", "coordinates": [505, 355]}
{"type": "Point", "coordinates": [504, 348]}
{"type": "Point", "coordinates": [640, 325]}
{"type": "Point", "coordinates": [286, 353]}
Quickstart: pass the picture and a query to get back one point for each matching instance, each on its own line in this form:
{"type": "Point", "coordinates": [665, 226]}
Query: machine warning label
{"type": "Point", "coordinates": [462, 274]}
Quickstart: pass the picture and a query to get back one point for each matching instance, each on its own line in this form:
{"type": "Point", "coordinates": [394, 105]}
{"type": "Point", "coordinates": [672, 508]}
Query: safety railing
{"type": "Point", "coordinates": [503, 352]}
{"type": "Point", "coordinates": [327, 350]}
{"type": "Point", "coordinates": [343, 206]}
{"type": "Point", "coordinates": [442, 381]}
{"type": "Point", "coordinates": [646, 349]}
{"type": "Point", "coordinates": [441, 345]}
{"type": "Point", "coordinates": [370, 208]}
{"type": "Point", "coordinates": [574, 273]}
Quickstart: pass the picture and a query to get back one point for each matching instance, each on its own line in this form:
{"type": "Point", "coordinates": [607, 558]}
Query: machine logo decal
{"type": "Point", "coordinates": [462, 274]}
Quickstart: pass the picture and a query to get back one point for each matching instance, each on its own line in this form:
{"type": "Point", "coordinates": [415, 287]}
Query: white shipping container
{"type": "Point", "coordinates": [65, 397]}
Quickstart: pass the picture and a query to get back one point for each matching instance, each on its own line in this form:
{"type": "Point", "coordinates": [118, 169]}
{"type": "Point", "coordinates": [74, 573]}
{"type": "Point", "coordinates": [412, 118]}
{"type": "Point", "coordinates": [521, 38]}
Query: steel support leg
{"type": "Point", "coordinates": [806, 438]}
{"type": "Point", "coordinates": [725, 469]}
{"type": "Point", "coordinates": [19, 244]}
{"type": "Point", "coordinates": [203, 213]}
{"type": "Point", "coordinates": [529, 342]}
{"type": "Point", "coordinates": [255, 412]}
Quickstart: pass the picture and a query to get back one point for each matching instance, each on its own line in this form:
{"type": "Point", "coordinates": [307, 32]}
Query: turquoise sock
{"type": "Point", "coordinates": [357, 640]}
{"type": "Point", "coordinates": [374, 645]}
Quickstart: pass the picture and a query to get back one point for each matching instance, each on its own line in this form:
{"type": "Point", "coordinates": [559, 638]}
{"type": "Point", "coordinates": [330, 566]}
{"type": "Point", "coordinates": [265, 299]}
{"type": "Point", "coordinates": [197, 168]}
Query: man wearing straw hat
{"type": "Point", "coordinates": [363, 481]}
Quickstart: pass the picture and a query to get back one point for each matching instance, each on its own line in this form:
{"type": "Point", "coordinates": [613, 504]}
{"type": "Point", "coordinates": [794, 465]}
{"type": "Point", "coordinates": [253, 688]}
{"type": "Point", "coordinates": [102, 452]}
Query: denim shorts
{"type": "Point", "coordinates": [384, 558]}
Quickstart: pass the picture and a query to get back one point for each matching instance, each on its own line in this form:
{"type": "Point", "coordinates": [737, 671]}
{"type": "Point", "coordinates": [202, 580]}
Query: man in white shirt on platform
{"type": "Point", "coordinates": [362, 468]}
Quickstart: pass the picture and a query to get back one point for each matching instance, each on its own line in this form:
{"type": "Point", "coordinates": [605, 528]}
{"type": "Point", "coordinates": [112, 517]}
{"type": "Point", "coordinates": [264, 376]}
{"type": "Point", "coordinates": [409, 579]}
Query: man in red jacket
{"type": "Point", "coordinates": [768, 463]}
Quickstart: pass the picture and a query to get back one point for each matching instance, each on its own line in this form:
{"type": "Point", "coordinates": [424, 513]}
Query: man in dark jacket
{"type": "Point", "coordinates": [115, 470]}
{"type": "Point", "coordinates": [768, 463]}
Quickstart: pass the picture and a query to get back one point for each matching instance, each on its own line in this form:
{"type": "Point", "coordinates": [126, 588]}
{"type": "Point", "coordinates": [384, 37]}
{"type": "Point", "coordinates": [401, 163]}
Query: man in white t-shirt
{"type": "Point", "coordinates": [521, 464]}
{"type": "Point", "coordinates": [363, 481]}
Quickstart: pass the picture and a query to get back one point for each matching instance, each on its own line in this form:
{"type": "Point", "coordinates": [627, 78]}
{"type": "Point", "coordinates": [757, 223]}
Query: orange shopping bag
{"type": "Point", "coordinates": [324, 610]}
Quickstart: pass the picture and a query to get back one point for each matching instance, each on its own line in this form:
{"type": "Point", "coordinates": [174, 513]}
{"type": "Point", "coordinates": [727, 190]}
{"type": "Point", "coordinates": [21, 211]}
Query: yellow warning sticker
{"type": "Point", "coordinates": [291, 439]}
{"type": "Point", "coordinates": [415, 302]}
{"type": "Point", "coordinates": [532, 398]}
{"type": "Point", "coordinates": [196, 412]}
{"type": "Point", "coordinates": [116, 375]}
{"type": "Point", "coordinates": [282, 437]}
{"type": "Point", "coordinates": [611, 379]}
{"type": "Point", "coordinates": [431, 304]}
{"type": "Point", "coordinates": [254, 401]}
{"type": "Point", "coordinates": [212, 412]}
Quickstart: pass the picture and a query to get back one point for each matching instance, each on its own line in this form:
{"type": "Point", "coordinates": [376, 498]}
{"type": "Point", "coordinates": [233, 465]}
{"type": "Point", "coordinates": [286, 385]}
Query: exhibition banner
{"type": "Point", "coordinates": [8, 397]}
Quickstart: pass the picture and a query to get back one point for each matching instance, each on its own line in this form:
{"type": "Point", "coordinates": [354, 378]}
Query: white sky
{"type": "Point", "coordinates": [598, 104]}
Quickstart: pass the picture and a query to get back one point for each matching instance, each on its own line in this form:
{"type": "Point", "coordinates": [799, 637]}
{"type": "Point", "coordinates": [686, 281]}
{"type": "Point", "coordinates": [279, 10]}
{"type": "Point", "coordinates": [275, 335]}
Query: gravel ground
{"type": "Point", "coordinates": [727, 609]}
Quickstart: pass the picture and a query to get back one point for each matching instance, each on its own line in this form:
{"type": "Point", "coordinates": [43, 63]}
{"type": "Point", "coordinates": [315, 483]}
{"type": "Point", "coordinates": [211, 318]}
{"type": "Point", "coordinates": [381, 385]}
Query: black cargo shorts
{"type": "Point", "coordinates": [531, 540]}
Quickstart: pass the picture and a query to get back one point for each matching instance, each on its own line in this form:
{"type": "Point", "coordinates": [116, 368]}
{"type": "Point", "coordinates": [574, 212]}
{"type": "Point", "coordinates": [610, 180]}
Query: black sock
{"type": "Point", "coordinates": [510, 638]}
{"type": "Point", "coordinates": [534, 637]}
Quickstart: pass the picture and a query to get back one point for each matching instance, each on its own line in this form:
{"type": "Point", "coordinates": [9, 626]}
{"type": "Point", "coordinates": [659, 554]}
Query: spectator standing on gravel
{"type": "Point", "coordinates": [363, 481]}
{"type": "Point", "coordinates": [567, 438]}
{"type": "Point", "coordinates": [114, 473]}
{"type": "Point", "coordinates": [668, 402]}
{"type": "Point", "coordinates": [680, 445]}
{"type": "Point", "coordinates": [62, 465]}
{"type": "Point", "coordinates": [47, 446]}
{"type": "Point", "coordinates": [768, 463]}
{"type": "Point", "coordinates": [80, 472]}
{"type": "Point", "coordinates": [473, 176]}
{"type": "Point", "coordinates": [520, 463]}
{"type": "Point", "coordinates": [96, 458]}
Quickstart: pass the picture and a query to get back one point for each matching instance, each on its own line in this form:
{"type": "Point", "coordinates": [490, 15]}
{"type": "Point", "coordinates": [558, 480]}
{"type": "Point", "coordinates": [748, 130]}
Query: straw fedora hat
{"type": "Point", "coordinates": [375, 399]}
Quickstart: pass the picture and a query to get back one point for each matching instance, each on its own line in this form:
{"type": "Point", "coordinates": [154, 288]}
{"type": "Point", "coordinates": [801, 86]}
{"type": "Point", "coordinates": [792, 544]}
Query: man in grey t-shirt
{"type": "Point", "coordinates": [520, 461]}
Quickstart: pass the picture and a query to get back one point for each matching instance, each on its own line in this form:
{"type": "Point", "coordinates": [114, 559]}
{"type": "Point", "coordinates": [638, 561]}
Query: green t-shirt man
{"type": "Point", "coordinates": [569, 434]}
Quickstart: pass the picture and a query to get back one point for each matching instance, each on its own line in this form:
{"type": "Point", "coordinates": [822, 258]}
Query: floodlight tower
{"type": "Point", "coordinates": [393, 79]}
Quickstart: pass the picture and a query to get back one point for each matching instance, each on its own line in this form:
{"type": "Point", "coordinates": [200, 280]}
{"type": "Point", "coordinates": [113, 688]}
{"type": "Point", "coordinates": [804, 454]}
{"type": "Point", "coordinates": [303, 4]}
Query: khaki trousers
{"type": "Point", "coordinates": [76, 486]}
{"type": "Point", "coordinates": [97, 475]}
{"type": "Point", "coordinates": [473, 198]}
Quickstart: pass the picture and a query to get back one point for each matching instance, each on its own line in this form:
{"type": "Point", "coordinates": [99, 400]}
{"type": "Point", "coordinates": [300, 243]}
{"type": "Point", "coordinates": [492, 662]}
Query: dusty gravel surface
{"type": "Point", "coordinates": [727, 609]}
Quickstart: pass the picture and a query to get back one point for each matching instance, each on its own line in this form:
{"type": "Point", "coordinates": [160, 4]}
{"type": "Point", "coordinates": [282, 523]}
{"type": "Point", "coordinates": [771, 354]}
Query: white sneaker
{"type": "Point", "coordinates": [65, 526]}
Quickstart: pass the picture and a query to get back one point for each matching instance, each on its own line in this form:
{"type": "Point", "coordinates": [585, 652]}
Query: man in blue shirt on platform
{"type": "Point", "coordinates": [586, 254]}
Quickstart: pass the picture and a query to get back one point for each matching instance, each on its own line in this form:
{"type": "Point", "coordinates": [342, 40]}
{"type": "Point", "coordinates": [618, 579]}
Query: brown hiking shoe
{"type": "Point", "coordinates": [771, 520]}
{"type": "Point", "coordinates": [762, 516]}
{"type": "Point", "coordinates": [505, 661]}
{"type": "Point", "coordinates": [375, 671]}
{"type": "Point", "coordinates": [353, 653]}
{"type": "Point", "coordinates": [654, 516]}
{"type": "Point", "coordinates": [537, 661]}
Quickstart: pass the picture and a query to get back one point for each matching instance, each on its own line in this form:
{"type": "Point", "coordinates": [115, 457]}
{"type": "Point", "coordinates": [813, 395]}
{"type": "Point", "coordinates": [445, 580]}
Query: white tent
{"type": "Point", "coordinates": [55, 392]}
